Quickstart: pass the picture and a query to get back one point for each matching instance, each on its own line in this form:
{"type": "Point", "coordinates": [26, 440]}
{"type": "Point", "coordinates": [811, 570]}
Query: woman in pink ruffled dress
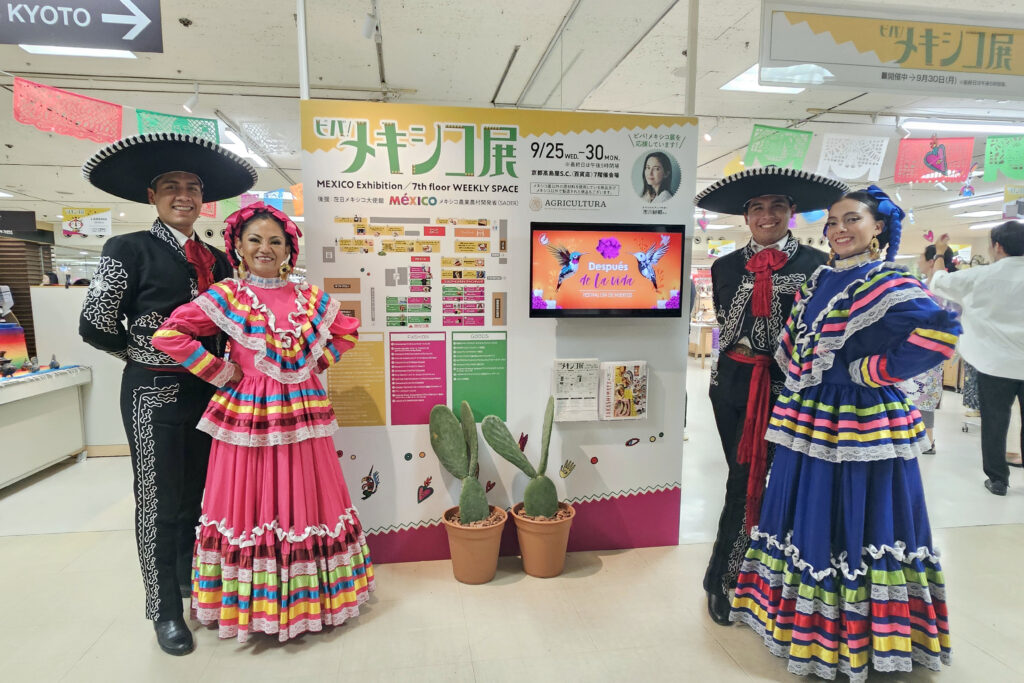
{"type": "Point", "coordinates": [280, 547]}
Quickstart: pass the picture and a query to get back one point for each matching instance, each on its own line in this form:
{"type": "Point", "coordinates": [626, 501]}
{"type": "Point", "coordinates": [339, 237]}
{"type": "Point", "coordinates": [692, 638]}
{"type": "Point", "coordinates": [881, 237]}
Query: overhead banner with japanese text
{"type": "Point", "coordinates": [955, 54]}
{"type": "Point", "coordinates": [418, 221]}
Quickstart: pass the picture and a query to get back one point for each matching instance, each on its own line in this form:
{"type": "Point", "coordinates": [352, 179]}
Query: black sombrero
{"type": "Point", "coordinates": [809, 191]}
{"type": "Point", "coordinates": [126, 167]}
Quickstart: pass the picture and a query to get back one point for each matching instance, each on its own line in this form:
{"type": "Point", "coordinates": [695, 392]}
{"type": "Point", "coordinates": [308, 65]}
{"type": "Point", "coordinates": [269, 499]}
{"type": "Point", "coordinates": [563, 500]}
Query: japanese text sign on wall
{"type": "Point", "coordinates": [888, 47]}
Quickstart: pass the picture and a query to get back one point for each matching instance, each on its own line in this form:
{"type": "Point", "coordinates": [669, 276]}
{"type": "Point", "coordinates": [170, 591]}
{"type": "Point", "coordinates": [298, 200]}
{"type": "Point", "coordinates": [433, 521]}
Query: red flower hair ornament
{"type": "Point", "coordinates": [236, 221]}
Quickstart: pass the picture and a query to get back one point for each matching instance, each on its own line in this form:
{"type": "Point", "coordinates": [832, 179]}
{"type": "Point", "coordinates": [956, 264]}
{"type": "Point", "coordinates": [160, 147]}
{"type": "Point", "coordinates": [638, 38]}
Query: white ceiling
{"type": "Point", "coordinates": [613, 56]}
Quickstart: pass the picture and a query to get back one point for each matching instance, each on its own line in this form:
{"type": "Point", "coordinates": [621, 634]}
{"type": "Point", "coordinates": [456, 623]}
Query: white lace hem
{"type": "Point", "coordinates": [839, 454]}
{"type": "Point", "coordinates": [898, 551]}
{"type": "Point", "coordinates": [249, 538]}
{"type": "Point", "coordinates": [880, 663]}
{"type": "Point", "coordinates": [296, 435]}
{"type": "Point", "coordinates": [208, 616]}
{"type": "Point", "coordinates": [259, 344]}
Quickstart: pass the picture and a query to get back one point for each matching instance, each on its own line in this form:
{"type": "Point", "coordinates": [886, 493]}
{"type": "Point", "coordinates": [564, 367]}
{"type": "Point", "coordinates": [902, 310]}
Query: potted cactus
{"type": "Point", "coordinates": [473, 526]}
{"type": "Point", "coordinates": [542, 523]}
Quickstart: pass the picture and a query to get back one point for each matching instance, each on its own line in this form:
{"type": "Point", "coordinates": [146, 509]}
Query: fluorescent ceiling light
{"type": "Point", "coordinates": [747, 82]}
{"type": "Point", "coordinates": [718, 226]}
{"type": "Point", "coordinates": [949, 125]}
{"type": "Point", "coordinates": [979, 214]}
{"type": "Point", "coordinates": [5, 195]}
{"type": "Point", "coordinates": [64, 51]}
{"type": "Point", "coordinates": [978, 201]}
{"type": "Point", "coordinates": [297, 219]}
{"type": "Point", "coordinates": [798, 74]}
{"type": "Point", "coordinates": [905, 256]}
{"type": "Point", "coordinates": [985, 226]}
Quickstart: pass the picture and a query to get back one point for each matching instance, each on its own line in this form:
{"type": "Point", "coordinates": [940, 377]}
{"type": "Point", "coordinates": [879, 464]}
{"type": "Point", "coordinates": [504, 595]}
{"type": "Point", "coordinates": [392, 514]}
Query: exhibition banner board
{"type": "Point", "coordinates": [953, 54]}
{"type": "Point", "coordinates": [419, 218]}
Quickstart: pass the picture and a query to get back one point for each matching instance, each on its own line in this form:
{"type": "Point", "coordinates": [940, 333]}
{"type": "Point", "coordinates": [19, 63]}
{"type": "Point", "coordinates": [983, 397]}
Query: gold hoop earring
{"type": "Point", "coordinates": [285, 270]}
{"type": "Point", "coordinates": [242, 270]}
{"type": "Point", "coordinates": [875, 247]}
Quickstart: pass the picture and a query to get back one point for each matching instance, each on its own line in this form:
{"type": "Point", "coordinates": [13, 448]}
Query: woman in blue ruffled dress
{"type": "Point", "coordinates": [841, 574]}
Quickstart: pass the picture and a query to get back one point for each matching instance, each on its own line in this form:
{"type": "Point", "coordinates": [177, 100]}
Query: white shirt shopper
{"type": "Point", "coordinates": [993, 318]}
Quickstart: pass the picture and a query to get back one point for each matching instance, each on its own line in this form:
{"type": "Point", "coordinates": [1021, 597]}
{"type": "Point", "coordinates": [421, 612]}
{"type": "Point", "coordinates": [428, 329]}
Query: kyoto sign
{"type": "Point", "coordinates": [949, 54]}
{"type": "Point", "coordinates": [113, 24]}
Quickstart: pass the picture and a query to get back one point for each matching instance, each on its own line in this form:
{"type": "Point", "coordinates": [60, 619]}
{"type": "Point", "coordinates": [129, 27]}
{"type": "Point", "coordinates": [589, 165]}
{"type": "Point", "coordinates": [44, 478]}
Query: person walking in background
{"type": "Point", "coordinates": [280, 547]}
{"type": "Point", "coordinates": [753, 290]}
{"type": "Point", "coordinates": [993, 340]}
{"type": "Point", "coordinates": [841, 574]}
{"type": "Point", "coordinates": [142, 277]}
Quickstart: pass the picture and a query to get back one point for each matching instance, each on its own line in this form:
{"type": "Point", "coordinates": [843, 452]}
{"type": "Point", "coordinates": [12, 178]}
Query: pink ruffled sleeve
{"type": "Point", "coordinates": [178, 338]}
{"type": "Point", "coordinates": [343, 336]}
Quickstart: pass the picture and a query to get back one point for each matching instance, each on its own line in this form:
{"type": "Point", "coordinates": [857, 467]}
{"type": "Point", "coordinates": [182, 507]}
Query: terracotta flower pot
{"type": "Point", "coordinates": [543, 543]}
{"type": "Point", "coordinates": [474, 549]}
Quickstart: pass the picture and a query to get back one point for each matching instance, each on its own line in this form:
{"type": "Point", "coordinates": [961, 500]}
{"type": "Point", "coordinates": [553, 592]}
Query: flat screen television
{"type": "Point", "coordinates": [591, 270]}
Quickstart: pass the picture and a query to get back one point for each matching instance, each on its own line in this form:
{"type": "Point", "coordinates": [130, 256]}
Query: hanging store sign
{"type": "Point", "coordinates": [888, 47]}
{"type": "Point", "coordinates": [112, 24]}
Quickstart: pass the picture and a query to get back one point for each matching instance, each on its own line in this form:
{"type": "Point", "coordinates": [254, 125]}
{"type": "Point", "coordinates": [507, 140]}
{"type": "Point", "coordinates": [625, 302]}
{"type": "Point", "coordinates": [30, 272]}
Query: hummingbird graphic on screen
{"type": "Point", "coordinates": [646, 261]}
{"type": "Point", "coordinates": [569, 260]}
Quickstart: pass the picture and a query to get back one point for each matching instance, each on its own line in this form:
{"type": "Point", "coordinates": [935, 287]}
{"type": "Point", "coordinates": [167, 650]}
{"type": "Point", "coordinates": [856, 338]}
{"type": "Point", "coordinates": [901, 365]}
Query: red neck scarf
{"type": "Point", "coordinates": [200, 257]}
{"type": "Point", "coordinates": [763, 264]}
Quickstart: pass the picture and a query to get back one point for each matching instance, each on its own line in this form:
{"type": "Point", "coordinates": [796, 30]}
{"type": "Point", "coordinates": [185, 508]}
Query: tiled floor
{"type": "Point", "coordinates": [73, 595]}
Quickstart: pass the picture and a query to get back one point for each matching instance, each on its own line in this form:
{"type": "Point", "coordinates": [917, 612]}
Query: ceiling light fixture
{"type": "Point", "coordinates": [901, 128]}
{"type": "Point", "coordinates": [5, 195]}
{"type": "Point", "coordinates": [979, 214]}
{"type": "Point", "coordinates": [942, 187]}
{"type": "Point", "coordinates": [64, 51]}
{"type": "Point", "coordinates": [747, 82]}
{"type": "Point", "coordinates": [958, 126]}
{"type": "Point", "coordinates": [979, 200]}
{"type": "Point", "coordinates": [190, 103]}
{"type": "Point", "coordinates": [898, 197]}
{"type": "Point", "coordinates": [985, 226]}
{"type": "Point", "coordinates": [719, 226]}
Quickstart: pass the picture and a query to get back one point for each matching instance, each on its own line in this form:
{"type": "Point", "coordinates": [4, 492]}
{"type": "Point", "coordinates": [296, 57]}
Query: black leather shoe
{"type": "Point", "coordinates": [186, 590]}
{"type": "Point", "coordinates": [174, 637]}
{"type": "Point", "coordinates": [996, 487]}
{"type": "Point", "coordinates": [718, 607]}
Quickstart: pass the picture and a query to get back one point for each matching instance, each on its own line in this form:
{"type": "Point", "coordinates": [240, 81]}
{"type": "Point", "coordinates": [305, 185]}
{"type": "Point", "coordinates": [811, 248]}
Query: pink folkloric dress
{"type": "Point", "coordinates": [280, 547]}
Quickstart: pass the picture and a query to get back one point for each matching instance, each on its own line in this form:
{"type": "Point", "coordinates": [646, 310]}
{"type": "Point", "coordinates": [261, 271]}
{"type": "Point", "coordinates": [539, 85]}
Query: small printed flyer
{"type": "Point", "coordinates": [574, 385]}
{"type": "Point", "coordinates": [624, 390]}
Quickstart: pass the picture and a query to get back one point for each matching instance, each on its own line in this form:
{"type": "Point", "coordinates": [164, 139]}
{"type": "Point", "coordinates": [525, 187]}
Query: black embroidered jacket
{"type": "Point", "coordinates": [142, 277]}
{"type": "Point", "coordinates": [732, 286]}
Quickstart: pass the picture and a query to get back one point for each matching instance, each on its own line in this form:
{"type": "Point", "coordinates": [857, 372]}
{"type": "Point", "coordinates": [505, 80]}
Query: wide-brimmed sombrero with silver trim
{"type": "Point", "coordinates": [126, 167]}
{"type": "Point", "coordinates": [809, 191]}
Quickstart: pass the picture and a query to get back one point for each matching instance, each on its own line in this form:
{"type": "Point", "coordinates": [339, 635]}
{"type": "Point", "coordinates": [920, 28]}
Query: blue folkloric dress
{"type": "Point", "coordinates": [841, 573]}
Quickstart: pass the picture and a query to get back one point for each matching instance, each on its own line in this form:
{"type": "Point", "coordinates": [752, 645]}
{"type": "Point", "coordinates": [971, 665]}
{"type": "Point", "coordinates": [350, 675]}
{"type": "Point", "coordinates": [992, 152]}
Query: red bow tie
{"type": "Point", "coordinates": [762, 265]}
{"type": "Point", "coordinates": [200, 257]}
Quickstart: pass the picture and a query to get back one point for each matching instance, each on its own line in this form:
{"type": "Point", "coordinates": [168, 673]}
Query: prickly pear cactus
{"type": "Point", "coordinates": [540, 498]}
{"type": "Point", "coordinates": [457, 447]}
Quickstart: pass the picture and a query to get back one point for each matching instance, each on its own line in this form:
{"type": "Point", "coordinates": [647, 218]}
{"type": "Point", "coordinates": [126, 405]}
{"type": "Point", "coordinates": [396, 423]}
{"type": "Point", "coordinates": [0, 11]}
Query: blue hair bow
{"type": "Point", "coordinates": [894, 216]}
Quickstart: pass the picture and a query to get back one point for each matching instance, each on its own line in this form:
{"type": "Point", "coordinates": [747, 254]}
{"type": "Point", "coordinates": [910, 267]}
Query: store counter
{"type": "Point", "coordinates": [40, 420]}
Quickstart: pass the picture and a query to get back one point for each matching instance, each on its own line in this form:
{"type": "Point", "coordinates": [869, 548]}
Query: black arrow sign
{"type": "Point", "coordinates": [114, 24]}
